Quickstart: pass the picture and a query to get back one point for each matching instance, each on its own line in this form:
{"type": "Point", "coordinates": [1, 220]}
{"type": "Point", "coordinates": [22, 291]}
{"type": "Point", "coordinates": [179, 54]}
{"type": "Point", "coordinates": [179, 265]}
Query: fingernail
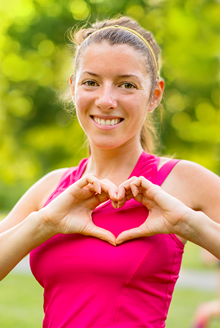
{"type": "Point", "coordinates": [114, 205]}
{"type": "Point", "coordinates": [134, 193]}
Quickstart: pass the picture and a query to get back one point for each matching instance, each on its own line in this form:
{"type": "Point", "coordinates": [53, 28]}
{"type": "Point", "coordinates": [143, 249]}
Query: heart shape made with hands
{"type": "Point", "coordinates": [165, 211]}
{"type": "Point", "coordinates": [71, 211]}
{"type": "Point", "coordinates": [136, 188]}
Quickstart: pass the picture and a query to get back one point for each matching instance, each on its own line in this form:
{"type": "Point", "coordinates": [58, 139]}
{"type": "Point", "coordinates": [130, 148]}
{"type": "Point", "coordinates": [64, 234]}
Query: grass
{"type": "Point", "coordinates": [183, 305]}
{"type": "Point", "coordinates": [192, 258]}
{"type": "Point", "coordinates": [21, 303]}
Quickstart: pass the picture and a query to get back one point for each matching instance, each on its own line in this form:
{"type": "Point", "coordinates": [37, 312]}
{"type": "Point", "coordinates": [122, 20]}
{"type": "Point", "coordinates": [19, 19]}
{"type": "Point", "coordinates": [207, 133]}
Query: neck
{"type": "Point", "coordinates": [113, 164]}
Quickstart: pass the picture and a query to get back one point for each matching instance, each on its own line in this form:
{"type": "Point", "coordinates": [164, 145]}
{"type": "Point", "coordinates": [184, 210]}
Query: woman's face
{"type": "Point", "coordinates": [112, 95]}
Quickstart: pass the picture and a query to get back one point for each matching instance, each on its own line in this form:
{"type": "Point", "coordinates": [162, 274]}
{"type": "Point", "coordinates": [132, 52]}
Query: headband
{"type": "Point", "coordinates": [139, 35]}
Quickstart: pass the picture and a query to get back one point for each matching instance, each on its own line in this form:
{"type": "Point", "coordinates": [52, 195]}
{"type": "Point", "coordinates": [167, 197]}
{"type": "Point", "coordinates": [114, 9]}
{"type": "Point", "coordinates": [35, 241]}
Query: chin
{"type": "Point", "coordinates": [102, 144]}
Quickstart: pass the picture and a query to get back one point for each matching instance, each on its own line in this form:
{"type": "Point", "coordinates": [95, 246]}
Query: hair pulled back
{"type": "Point", "coordinates": [95, 34]}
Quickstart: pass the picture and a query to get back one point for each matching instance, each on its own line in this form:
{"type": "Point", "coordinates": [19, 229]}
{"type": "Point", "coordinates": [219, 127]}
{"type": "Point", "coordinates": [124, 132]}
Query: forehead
{"type": "Point", "coordinates": [103, 57]}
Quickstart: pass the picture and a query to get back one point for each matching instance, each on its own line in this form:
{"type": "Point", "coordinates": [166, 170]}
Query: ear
{"type": "Point", "coordinates": [157, 95]}
{"type": "Point", "coordinates": [72, 86]}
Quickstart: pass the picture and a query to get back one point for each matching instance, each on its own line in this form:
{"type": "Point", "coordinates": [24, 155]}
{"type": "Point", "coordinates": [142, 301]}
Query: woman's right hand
{"type": "Point", "coordinates": [71, 211]}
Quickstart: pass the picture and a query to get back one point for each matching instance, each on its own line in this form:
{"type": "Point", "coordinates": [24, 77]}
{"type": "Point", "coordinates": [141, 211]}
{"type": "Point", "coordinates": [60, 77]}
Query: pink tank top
{"type": "Point", "coordinates": [89, 283]}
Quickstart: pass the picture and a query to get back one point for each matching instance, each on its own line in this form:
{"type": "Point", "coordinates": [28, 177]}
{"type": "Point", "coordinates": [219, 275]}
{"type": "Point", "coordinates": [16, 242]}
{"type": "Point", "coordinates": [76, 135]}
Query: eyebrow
{"type": "Point", "coordinates": [120, 76]}
{"type": "Point", "coordinates": [90, 73]}
{"type": "Point", "coordinates": [128, 75]}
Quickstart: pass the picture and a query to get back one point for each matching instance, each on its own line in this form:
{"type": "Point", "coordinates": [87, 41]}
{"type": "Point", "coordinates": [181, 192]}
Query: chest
{"type": "Point", "coordinates": [81, 259]}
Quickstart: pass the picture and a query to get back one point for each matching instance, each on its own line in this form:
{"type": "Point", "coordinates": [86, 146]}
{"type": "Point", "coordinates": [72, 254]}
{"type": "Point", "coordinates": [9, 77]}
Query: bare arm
{"type": "Point", "coordinates": [18, 241]}
{"type": "Point", "coordinates": [33, 200]}
{"type": "Point", "coordinates": [196, 187]}
{"type": "Point", "coordinates": [21, 230]}
{"type": "Point", "coordinates": [204, 232]}
{"type": "Point", "coordinates": [167, 215]}
{"type": "Point", "coordinates": [70, 212]}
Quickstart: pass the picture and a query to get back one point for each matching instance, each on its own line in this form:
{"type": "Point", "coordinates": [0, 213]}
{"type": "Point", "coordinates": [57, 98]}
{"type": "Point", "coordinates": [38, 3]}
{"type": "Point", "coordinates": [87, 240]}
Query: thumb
{"type": "Point", "coordinates": [103, 234]}
{"type": "Point", "coordinates": [131, 234]}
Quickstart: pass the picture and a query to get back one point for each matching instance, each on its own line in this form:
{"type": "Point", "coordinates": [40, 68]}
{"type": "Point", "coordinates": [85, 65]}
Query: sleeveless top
{"type": "Point", "coordinates": [90, 283]}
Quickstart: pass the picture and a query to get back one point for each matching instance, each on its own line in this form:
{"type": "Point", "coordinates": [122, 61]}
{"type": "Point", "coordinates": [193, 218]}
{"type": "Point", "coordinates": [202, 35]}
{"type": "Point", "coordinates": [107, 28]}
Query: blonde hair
{"type": "Point", "coordinates": [85, 37]}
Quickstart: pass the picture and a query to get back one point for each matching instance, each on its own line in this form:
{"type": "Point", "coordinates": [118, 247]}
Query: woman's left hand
{"type": "Point", "coordinates": [166, 213]}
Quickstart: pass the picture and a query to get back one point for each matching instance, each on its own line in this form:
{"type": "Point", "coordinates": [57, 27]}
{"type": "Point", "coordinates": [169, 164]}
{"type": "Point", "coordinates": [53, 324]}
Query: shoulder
{"type": "Point", "coordinates": [194, 183]}
{"type": "Point", "coordinates": [195, 172]}
{"type": "Point", "coordinates": [34, 199]}
{"type": "Point", "coordinates": [186, 169]}
{"type": "Point", "coordinates": [163, 160]}
{"type": "Point", "coordinates": [46, 185]}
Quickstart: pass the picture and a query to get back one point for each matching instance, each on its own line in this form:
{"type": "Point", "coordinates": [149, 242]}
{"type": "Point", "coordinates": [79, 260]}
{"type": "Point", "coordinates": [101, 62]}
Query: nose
{"type": "Point", "coordinates": [106, 99]}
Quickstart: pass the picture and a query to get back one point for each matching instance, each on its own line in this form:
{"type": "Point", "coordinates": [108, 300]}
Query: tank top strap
{"type": "Point", "coordinates": [71, 175]}
{"type": "Point", "coordinates": [76, 171]}
{"type": "Point", "coordinates": [66, 174]}
{"type": "Point", "coordinates": [165, 170]}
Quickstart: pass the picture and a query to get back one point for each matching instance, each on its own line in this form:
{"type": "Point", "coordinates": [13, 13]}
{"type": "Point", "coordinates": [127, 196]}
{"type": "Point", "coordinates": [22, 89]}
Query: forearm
{"type": "Point", "coordinates": [18, 241]}
{"type": "Point", "coordinates": [201, 230]}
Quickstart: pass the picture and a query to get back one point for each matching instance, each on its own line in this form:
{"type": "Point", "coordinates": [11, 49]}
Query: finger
{"type": "Point", "coordinates": [97, 232]}
{"type": "Point", "coordinates": [130, 234]}
{"type": "Point", "coordinates": [119, 204]}
{"type": "Point", "coordinates": [121, 193]}
{"type": "Point", "coordinates": [90, 179]}
{"type": "Point", "coordinates": [125, 189]}
{"type": "Point", "coordinates": [122, 197]}
{"type": "Point", "coordinates": [138, 182]}
{"type": "Point", "coordinates": [126, 184]}
{"type": "Point", "coordinates": [109, 188]}
{"type": "Point", "coordinates": [134, 190]}
{"type": "Point", "coordinates": [103, 197]}
{"type": "Point", "coordinates": [143, 186]}
{"type": "Point", "coordinates": [156, 195]}
{"type": "Point", "coordinates": [114, 204]}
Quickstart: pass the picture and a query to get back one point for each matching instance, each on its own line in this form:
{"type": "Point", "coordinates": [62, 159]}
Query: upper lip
{"type": "Point", "coordinates": [107, 117]}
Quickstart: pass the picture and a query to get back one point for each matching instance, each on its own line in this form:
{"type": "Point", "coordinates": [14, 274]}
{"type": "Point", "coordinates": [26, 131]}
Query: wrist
{"type": "Point", "coordinates": [189, 225]}
{"type": "Point", "coordinates": [43, 229]}
{"type": "Point", "coordinates": [200, 229]}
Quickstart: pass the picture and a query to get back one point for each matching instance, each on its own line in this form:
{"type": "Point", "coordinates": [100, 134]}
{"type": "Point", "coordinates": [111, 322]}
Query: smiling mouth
{"type": "Point", "coordinates": [108, 121]}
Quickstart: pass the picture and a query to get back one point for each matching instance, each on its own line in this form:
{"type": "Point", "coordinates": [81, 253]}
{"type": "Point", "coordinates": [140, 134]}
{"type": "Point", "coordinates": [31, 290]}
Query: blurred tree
{"type": "Point", "coordinates": [37, 135]}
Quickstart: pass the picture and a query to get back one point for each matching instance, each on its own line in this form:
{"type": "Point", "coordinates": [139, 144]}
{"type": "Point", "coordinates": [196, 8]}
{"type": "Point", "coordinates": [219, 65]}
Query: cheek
{"type": "Point", "coordinates": [80, 106]}
{"type": "Point", "coordinates": [82, 101]}
{"type": "Point", "coordinates": [138, 110]}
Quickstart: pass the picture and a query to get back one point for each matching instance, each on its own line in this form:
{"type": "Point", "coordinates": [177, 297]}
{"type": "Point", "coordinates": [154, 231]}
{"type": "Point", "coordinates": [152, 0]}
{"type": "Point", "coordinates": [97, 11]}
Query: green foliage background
{"type": "Point", "coordinates": [36, 134]}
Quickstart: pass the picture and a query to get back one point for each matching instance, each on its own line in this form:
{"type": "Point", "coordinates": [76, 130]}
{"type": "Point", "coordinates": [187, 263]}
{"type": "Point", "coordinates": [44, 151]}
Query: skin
{"type": "Point", "coordinates": [117, 91]}
{"type": "Point", "coordinates": [103, 90]}
{"type": "Point", "coordinates": [120, 90]}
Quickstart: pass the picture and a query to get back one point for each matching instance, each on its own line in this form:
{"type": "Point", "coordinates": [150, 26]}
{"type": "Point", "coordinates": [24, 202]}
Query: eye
{"type": "Point", "coordinates": [90, 83]}
{"type": "Point", "coordinates": [128, 85]}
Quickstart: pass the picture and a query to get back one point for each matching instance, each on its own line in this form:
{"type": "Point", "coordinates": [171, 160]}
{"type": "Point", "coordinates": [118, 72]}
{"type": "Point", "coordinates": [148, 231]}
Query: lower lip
{"type": "Point", "coordinates": [106, 127]}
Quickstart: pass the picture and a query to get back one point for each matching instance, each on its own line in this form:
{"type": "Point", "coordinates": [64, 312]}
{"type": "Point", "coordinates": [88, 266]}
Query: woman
{"type": "Point", "coordinates": [103, 262]}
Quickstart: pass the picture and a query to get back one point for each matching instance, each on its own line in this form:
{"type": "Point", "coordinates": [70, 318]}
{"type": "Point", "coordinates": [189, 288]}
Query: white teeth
{"type": "Point", "coordinates": [106, 122]}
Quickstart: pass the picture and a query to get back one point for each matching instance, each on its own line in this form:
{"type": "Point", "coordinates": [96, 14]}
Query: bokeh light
{"type": "Point", "coordinates": [37, 135]}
